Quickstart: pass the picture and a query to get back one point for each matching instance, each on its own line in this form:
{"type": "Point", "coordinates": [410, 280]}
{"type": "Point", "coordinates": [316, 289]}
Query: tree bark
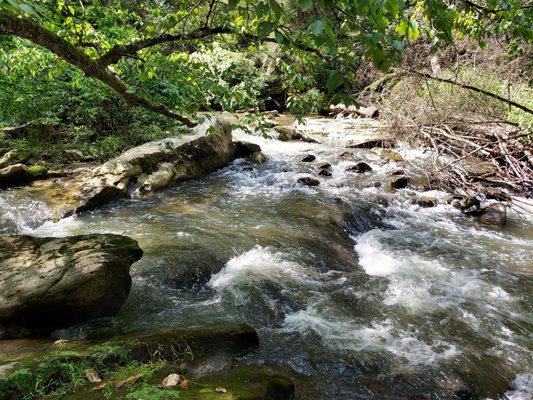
{"type": "Point", "coordinates": [27, 29]}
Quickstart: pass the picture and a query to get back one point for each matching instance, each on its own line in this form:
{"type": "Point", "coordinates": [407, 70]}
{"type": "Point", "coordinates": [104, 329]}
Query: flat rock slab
{"type": "Point", "coordinates": [48, 283]}
{"type": "Point", "coordinates": [143, 169]}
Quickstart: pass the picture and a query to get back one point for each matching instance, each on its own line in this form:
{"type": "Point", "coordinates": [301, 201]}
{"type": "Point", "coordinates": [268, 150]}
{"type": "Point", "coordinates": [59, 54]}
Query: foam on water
{"type": "Point", "coordinates": [257, 265]}
{"type": "Point", "coordinates": [523, 388]}
{"type": "Point", "coordinates": [377, 336]}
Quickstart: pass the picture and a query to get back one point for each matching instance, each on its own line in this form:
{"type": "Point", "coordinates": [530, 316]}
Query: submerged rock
{"type": "Point", "coordinates": [258, 157]}
{"type": "Point", "coordinates": [48, 283]}
{"type": "Point", "coordinates": [360, 167]}
{"type": "Point", "coordinates": [400, 183]}
{"type": "Point", "coordinates": [425, 201]}
{"type": "Point", "coordinates": [309, 158]}
{"type": "Point", "coordinates": [324, 165]}
{"type": "Point", "coordinates": [325, 172]}
{"type": "Point", "coordinates": [372, 140]}
{"type": "Point", "coordinates": [309, 181]}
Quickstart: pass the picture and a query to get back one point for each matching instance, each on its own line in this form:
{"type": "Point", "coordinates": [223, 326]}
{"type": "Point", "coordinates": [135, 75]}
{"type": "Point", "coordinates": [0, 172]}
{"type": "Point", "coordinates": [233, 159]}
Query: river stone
{"type": "Point", "coordinates": [360, 167]}
{"type": "Point", "coordinates": [309, 181]}
{"type": "Point", "coordinates": [372, 140]}
{"type": "Point", "coordinates": [245, 149]}
{"type": "Point", "coordinates": [325, 172]}
{"type": "Point", "coordinates": [48, 283]}
{"type": "Point", "coordinates": [494, 214]}
{"type": "Point", "coordinates": [38, 171]}
{"type": "Point", "coordinates": [287, 133]}
{"type": "Point", "coordinates": [14, 175]}
{"type": "Point", "coordinates": [309, 158]}
{"type": "Point", "coordinates": [13, 157]}
{"type": "Point", "coordinates": [258, 157]}
{"type": "Point", "coordinates": [400, 182]}
{"type": "Point", "coordinates": [143, 169]}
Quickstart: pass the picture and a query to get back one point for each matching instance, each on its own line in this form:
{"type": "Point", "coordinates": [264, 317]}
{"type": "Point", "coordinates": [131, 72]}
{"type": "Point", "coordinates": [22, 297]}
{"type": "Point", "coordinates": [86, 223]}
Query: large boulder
{"type": "Point", "coordinates": [13, 157]}
{"type": "Point", "coordinates": [14, 175]}
{"type": "Point", "coordinates": [48, 283]}
{"type": "Point", "coordinates": [20, 174]}
{"type": "Point", "coordinates": [141, 170]}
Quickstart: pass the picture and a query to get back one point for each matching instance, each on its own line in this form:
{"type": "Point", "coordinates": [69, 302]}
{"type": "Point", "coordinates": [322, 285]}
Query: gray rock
{"type": "Point", "coordinates": [245, 149]}
{"type": "Point", "coordinates": [140, 170]}
{"type": "Point", "coordinates": [14, 175]}
{"type": "Point", "coordinates": [425, 201]}
{"type": "Point", "coordinates": [467, 204]}
{"type": "Point", "coordinates": [48, 283]}
{"type": "Point", "coordinates": [309, 181]}
{"type": "Point", "coordinates": [74, 155]}
{"type": "Point", "coordinates": [360, 167]}
{"type": "Point", "coordinates": [287, 133]}
{"type": "Point", "coordinates": [400, 182]}
{"type": "Point", "coordinates": [494, 214]}
{"type": "Point", "coordinates": [258, 157]}
{"type": "Point", "coordinates": [13, 157]}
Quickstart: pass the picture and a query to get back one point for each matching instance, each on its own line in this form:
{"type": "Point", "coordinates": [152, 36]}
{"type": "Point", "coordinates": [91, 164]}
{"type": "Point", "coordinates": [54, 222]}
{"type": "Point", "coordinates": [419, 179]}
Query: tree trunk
{"type": "Point", "coordinates": [27, 29]}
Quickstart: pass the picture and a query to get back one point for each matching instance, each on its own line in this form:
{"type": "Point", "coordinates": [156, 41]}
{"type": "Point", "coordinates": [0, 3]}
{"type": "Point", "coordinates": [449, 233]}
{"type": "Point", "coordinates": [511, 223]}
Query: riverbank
{"type": "Point", "coordinates": [359, 289]}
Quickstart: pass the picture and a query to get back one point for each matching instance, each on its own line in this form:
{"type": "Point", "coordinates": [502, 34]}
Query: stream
{"type": "Point", "coordinates": [353, 290]}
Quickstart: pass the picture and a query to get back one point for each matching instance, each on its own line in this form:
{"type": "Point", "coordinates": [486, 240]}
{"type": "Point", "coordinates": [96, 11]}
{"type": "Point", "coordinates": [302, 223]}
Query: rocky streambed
{"type": "Point", "coordinates": [357, 278]}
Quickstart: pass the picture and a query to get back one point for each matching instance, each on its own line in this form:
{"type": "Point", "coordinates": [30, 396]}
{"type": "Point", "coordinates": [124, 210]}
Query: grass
{"type": "Point", "coordinates": [427, 102]}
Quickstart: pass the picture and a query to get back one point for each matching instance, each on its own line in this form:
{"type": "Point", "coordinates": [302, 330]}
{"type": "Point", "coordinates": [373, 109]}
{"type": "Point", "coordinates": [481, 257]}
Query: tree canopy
{"type": "Point", "coordinates": [132, 45]}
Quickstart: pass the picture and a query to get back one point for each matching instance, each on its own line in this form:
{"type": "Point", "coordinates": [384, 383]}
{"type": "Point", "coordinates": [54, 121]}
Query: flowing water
{"type": "Point", "coordinates": [355, 291]}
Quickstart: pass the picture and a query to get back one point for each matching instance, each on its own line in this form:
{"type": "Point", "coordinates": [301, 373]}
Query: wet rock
{"type": "Point", "coordinates": [38, 171]}
{"type": "Point", "coordinates": [360, 167]}
{"type": "Point", "coordinates": [324, 165]}
{"type": "Point", "coordinates": [48, 283]}
{"type": "Point", "coordinates": [14, 175]}
{"type": "Point", "coordinates": [245, 149]}
{"type": "Point", "coordinates": [345, 154]}
{"type": "Point", "coordinates": [258, 157]}
{"type": "Point", "coordinates": [494, 214]}
{"type": "Point", "coordinates": [74, 155]}
{"type": "Point", "coordinates": [467, 204]}
{"type": "Point", "coordinates": [325, 172]}
{"type": "Point", "coordinates": [397, 172]}
{"type": "Point", "coordinates": [143, 169]}
{"type": "Point", "coordinates": [372, 140]}
{"type": "Point", "coordinates": [377, 184]}
{"type": "Point", "coordinates": [309, 158]}
{"type": "Point", "coordinates": [389, 154]}
{"type": "Point", "coordinates": [13, 157]}
{"type": "Point", "coordinates": [287, 133]}
{"type": "Point", "coordinates": [425, 201]}
{"type": "Point", "coordinates": [400, 183]}
{"type": "Point", "coordinates": [309, 181]}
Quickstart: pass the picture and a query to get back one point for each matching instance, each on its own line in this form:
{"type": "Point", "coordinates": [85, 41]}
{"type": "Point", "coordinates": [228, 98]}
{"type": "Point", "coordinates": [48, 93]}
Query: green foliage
{"type": "Point", "coordinates": [149, 392]}
{"type": "Point", "coordinates": [62, 372]}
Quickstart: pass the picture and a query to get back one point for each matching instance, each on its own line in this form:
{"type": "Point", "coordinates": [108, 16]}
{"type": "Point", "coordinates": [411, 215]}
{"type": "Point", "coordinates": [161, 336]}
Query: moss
{"type": "Point", "coordinates": [37, 171]}
{"type": "Point", "coordinates": [148, 392]}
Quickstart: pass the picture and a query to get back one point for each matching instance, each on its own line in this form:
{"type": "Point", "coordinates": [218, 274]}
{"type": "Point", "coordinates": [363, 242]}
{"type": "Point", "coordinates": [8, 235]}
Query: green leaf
{"type": "Point", "coordinates": [318, 26]}
{"type": "Point", "coordinates": [264, 28]}
{"type": "Point", "coordinates": [335, 80]}
{"type": "Point", "coordinates": [277, 10]}
{"type": "Point", "coordinates": [305, 4]}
